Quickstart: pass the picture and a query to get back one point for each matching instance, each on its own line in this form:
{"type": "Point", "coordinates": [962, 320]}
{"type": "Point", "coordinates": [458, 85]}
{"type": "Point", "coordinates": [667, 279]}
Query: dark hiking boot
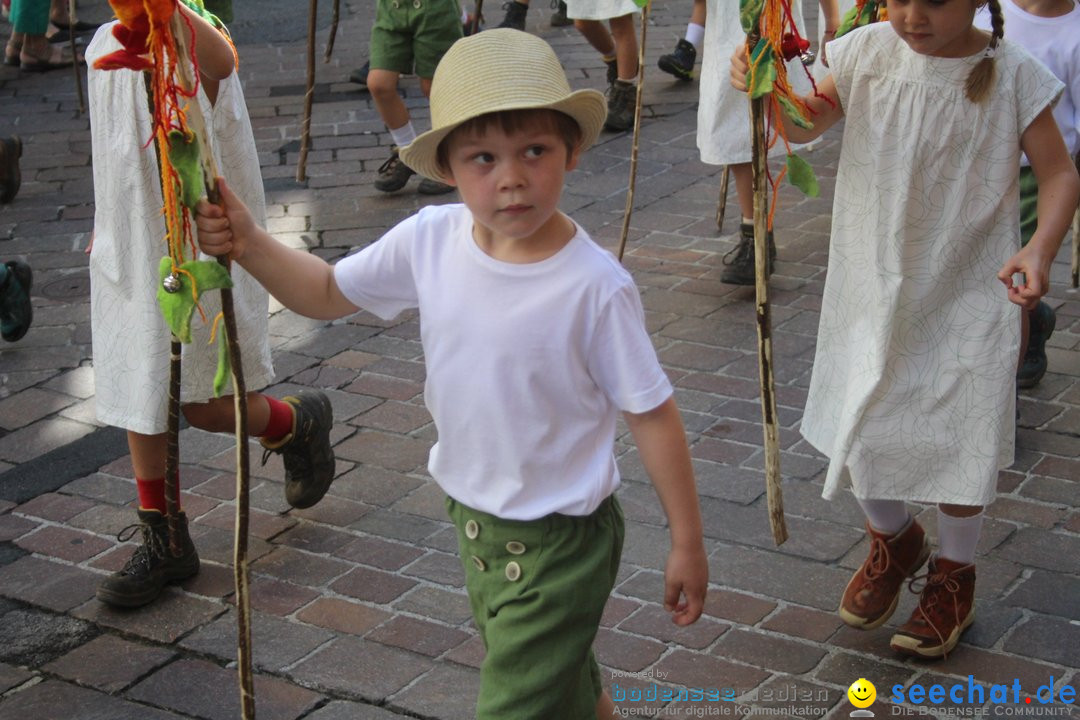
{"type": "Point", "coordinates": [428, 186]}
{"type": "Point", "coordinates": [152, 566]}
{"type": "Point", "coordinates": [10, 176]}
{"type": "Point", "coordinates": [393, 174]}
{"type": "Point", "coordinates": [739, 262]}
{"type": "Point", "coordinates": [559, 18]}
{"type": "Point", "coordinates": [359, 75]}
{"type": "Point", "coordinates": [681, 62]}
{"type": "Point", "coordinates": [515, 15]}
{"type": "Point", "coordinates": [620, 109]}
{"type": "Point", "coordinates": [1041, 325]}
{"type": "Point", "coordinates": [306, 451]}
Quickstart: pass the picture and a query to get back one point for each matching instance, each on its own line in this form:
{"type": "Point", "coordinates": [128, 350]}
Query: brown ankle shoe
{"type": "Point", "coordinates": [872, 593]}
{"type": "Point", "coordinates": [946, 609]}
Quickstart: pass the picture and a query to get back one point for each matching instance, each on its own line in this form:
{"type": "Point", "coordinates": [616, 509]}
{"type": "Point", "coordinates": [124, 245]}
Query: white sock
{"type": "Point", "coordinates": [958, 536]}
{"type": "Point", "coordinates": [403, 135]}
{"type": "Point", "coordinates": [750, 221]}
{"type": "Point", "coordinates": [885, 516]}
{"type": "Point", "coordinates": [631, 81]}
{"type": "Point", "coordinates": [695, 34]}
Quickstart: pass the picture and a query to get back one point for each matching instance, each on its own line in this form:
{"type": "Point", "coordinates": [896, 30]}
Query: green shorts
{"type": "Point", "coordinates": [412, 35]}
{"type": "Point", "coordinates": [537, 591]}
{"type": "Point", "coordinates": [1029, 204]}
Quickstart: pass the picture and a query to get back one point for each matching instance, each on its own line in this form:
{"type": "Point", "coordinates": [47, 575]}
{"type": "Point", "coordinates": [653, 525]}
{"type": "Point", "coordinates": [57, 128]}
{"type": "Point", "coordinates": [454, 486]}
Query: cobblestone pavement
{"type": "Point", "coordinates": [358, 602]}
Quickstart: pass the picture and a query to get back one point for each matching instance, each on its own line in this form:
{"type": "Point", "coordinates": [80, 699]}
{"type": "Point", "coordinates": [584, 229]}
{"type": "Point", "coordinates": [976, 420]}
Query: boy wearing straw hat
{"type": "Point", "coordinates": [534, 339]}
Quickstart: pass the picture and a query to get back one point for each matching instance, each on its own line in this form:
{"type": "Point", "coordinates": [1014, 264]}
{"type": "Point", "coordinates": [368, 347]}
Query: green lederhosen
{"type": "Point", "coordinates": [1029, 204]}
{"type": "Point", "coordinates": [412, 35]}
{"type": "Point", "coordinates": [537, 590]}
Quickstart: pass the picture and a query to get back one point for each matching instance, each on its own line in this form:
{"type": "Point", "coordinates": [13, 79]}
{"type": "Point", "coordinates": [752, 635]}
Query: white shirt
{"type": "Point", "coordinates": [528, 365]}
{"type": "Point", "coordinates": [1054, 41]}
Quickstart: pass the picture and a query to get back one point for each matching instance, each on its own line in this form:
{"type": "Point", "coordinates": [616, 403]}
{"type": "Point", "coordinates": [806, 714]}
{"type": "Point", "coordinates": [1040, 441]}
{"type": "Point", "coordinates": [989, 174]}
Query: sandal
{"type": "Point", "coordinates": [58, 57]}
{"type": "Point", "coordinates": [11, 53]}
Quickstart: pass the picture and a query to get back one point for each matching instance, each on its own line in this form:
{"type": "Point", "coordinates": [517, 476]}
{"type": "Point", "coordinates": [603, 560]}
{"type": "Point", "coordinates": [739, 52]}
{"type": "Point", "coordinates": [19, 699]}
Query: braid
{"type": "Point", "coordinates": [981, 78]}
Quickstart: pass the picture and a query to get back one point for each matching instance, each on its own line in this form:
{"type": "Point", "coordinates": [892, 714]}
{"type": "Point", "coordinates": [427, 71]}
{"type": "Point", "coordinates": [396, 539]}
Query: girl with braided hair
{"type": "Point", "coordinates": [912, 395]}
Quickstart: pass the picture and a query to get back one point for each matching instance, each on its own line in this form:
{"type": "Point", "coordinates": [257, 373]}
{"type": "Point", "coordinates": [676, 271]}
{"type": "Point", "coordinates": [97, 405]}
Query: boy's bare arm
{"type": "Point", "coordinates": [661, 442]}
{"type": "Point", "coordinates": [303, 282]}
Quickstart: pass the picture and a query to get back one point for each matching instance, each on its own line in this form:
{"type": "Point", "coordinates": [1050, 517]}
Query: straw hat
{"type": "Point", "coordinates": [499, 69]}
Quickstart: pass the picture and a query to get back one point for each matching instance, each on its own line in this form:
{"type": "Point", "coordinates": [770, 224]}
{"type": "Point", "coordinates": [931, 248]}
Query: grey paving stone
{"type": "Point", "coordinates": [32, 638]}
{"type": "Point", "coordinates": [360, 669]}
{"type": "Point", "coordinates": [448, 691]}
{"type": "Point", "coordinates": [109, 663]}
{"type": "Point", "coordinates": [1051, 639]}
{"type": "Point", "coordinates": [276, 643]}
{"type": "Point", "coordinates": [54, 700]}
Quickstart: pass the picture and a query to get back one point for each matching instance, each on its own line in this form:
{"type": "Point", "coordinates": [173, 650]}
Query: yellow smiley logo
{"type": "Point", "coordinates": [862, 693]}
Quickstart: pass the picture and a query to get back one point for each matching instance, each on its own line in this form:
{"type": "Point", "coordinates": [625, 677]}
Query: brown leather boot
{"type": "Point", "coordinates": [946, 609]}
{"type": "Point", "coordinates": [873, 591]}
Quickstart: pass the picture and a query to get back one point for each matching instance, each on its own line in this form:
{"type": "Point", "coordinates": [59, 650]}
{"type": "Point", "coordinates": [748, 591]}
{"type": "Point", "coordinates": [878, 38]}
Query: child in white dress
{"type": "Point", "coordinates": [130, 338]}
{"type": "Point", "coordinates": [911, 395]}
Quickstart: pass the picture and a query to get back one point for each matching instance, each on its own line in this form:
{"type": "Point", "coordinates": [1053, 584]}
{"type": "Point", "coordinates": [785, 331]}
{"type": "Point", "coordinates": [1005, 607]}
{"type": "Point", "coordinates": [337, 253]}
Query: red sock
{"type": "Point", "coordinates": [280, 423]}
{"type": "Point", "coordinates": [152, 494]}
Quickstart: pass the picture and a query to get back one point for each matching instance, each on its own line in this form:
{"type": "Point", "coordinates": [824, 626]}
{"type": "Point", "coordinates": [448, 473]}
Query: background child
{"type": "Point", "coordinates": [407, 39]}
{"type": "Point", "coordinates": [911, 395]}
{"type": "Point", "coordinates": [723, 131]}
{"type": "Point", "coordinates": [1049, 30]}
{"type": "Point", "coordinates": [619, 49]}
{"type": "Point", "coordinates": [130, 337]}
{"type": "Point", "coordinates": [534, 340]}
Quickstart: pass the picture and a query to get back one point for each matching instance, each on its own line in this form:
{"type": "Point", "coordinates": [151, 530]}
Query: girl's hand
{"type": "Point", "coordinates": [1035, 269]}
{"type": "Point", "coordinates": [222, 228]}
{"type": "Point", "coordinates": [829, 36]}
{"type": "Point", "coordinates": [740, 65]}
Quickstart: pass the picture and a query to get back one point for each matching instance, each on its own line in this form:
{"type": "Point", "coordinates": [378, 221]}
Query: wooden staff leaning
{"type": "Point", "coordinates": [241, 573]}
{"type": "Point", "coordinates": [637, 131]}
{"type": "Point", "coordinates": [770, 424]}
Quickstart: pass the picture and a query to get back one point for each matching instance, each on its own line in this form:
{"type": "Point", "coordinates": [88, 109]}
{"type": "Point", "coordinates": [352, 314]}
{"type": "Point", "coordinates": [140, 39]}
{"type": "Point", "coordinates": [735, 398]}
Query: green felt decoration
{"type": "Point", "coordinates": [641, 3]}
{"type": "Point", "coordinates": [853, 18]}
{"type": "Point", "coordinates": [765, 75]}
{"type": "Point", "coordinates": [801, 175]}
{"type": "Point", "coordinates": [224, 370]}
{"type": "Point", "coordinates": [177, 307]}
{"type": "Point", "coordinates": [184, 156]}
{"type": "Point", "coordinates": [793, 112]}
{"type": "Point", "coordinates": [749, 14]}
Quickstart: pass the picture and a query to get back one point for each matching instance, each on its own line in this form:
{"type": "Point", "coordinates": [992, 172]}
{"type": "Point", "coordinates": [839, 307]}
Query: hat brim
{"type": "Point", "coordinates": [587, 107]}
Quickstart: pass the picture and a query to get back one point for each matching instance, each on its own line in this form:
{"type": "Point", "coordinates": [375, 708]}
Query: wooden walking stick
{"type": "Point", "coordinates": [241, 575]}
{"type": "Point", "coordinates": [333, 31]}
{"type": "Point", "coordinates": [155, 39]}
{"type": "Point", "coordinates": [309, 95]}
{"type": "Point", "coordinates": [475, 26]}
{"type": "Point", "coordinates": [75, 57]}
{"type": "Point", "coordinates": [721, 207]}
{"type": "Point", "coordinates": [1076, 241]}
{"type": "Point", "coordinates": [759, 153]}
{"type": "Point", "coordinates": [771, 39]}
{"type": "Point", "coordinates": [644, 5]}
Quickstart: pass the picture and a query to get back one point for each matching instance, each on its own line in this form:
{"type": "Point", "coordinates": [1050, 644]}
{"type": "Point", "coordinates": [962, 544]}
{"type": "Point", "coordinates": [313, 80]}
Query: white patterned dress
{"type": "Point", "coordinates": [912, 395]}
{"type": "Point", "coordinates": [130, 338]}
{"type": "Point", "coordinates": [723, 121]}
{"type": "Point", "coordinates": [600, 9]}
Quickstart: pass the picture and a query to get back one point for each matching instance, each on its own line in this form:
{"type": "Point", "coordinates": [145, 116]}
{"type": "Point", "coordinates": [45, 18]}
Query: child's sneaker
{"type": "Point", "coordinates": [681, 62]}
{"type": "Point", "coordinates": [622, 98]}
{"type": "Point", "coordinates": [1041, 325]}
{"type": "Point", "coordinates": [515, 15]}
{"type": "Point", "coordinates": [739, 261]}
{"type": "Point", "coordinates": [16, 311]}
{"type": "Point", "coordinates": [152, 566]}
{"type": "Point", "coordinates": [559, 18]}
{"type": "Point", "coordinates": [871, 595]}
{"type": "Point", "coordinates": [946, 609]}
{"type": "Point", "coordinates": [309, 459]}
{"type": "Point", "coordinates": [393, 174]}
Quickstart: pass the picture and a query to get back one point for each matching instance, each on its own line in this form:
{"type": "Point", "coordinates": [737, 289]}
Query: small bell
{"type": "Point", "coordinates": [171, 283]}
{"type": "Point", "coordinates": [808, 57]}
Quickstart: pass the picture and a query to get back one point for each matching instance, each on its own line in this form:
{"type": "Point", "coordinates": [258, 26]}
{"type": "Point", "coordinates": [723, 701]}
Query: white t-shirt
{"type": "Point", "coordinates": [1054, 41]}
{"type": "Point", "coordinates": [528, 365]}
